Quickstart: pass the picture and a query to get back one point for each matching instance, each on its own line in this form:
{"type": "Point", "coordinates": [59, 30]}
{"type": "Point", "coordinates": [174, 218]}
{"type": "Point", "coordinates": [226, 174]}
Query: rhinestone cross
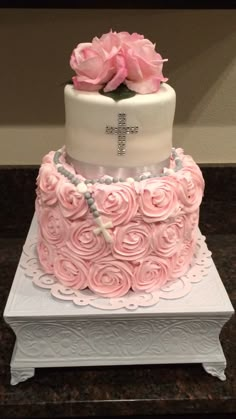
{"type": "Point", "coordinates": [121, 131]}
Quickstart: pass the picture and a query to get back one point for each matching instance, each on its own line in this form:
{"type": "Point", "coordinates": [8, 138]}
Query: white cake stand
{"type": "Point", "coordinates": [55, 333]}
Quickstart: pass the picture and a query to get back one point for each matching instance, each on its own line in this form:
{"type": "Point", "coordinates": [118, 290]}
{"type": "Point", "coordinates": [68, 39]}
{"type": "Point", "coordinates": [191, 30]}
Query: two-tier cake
{"type": "Point", "coordinates": [117, 206]}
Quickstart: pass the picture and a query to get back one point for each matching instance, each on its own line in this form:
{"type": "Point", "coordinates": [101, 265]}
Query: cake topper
{"type": "Point", "coordinates": [118, 65]}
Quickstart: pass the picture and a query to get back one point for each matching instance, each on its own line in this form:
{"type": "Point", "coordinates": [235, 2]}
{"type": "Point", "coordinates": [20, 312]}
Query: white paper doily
{"type": "Point", "coordinates": [179, 288]}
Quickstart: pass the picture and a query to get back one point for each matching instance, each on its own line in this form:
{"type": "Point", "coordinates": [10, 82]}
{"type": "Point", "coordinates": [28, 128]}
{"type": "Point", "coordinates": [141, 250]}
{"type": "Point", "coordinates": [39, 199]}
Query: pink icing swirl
{"type": "Point", "coordinates": [72, 203]}
{"type": "Point", "coordinates": [84, 243]}
{"type": "Point", "coordinates": [192, 222]}
{"type": "Point", "coordinates": [158, 199]}
{"type": "Point", "coordinates": [182, 259]}
{"type": "Point", "coordinates": [47, 181]}
{"type": "Point", "coordinates": [117, 202]}
{"type": "Point", "coordinates": [186, 159]}
{"type": "Point", "coordinates": [151, 274]}
{"type": "Point", "coordinates": [190, 187]}
{"type": "Point", "coordinates": [110, 278]}
{"type": "Point", "coordinates": [46, 256]}
{"type": "Point", "coordinates": [54, 228]}
{"type": "Point", "coordinates": [168, 236]}
{"type": "Point", "coordinates": [131, 241]}
{"type": "Point", "coordinates": [71, 272]}
{"type": "Point", "coordinates": [48, 158]}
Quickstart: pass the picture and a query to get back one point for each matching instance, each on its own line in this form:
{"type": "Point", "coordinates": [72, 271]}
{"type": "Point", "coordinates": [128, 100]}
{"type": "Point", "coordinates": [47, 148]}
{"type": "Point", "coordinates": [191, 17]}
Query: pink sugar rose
{"type": "Point", "coordinates": [110, 278]}
{"type": "Point", "coordinates": [158, 199]}
{"type": "Point", "coordinates": [98, 64]}
{"type": "Point", "coordinates": [131, 241]}
{"type": "Point", "coordinates": [73, 204]}
{"type": "Point", "coordinates": [117, 202]}
{"type": "Point", "coordinates": [167, 237]}
{"type": "Point", "coordinates": [144, 65]}
{"type": "Point", "coordinates": [109, 45]}
{"type": "Point", "coordinates": [71, 272]}
{"type": "Point", "coordinates": [84, 243]}
{"type": "Point", "coordinates": [47, 181]}
{"type": "Point", "coordinates": [117, 58]}
{"type": "Point", "coordinates": [151, 274]}
{"type": "Point", "coordinates": [53, 226]}
{"type": "Point", "coordinates": [127, 37]}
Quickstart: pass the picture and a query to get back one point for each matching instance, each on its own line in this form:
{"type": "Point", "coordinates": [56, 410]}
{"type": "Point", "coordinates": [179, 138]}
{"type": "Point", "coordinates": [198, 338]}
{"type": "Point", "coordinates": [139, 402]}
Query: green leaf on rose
{"type": "Point", "coordinates": [122, 92]}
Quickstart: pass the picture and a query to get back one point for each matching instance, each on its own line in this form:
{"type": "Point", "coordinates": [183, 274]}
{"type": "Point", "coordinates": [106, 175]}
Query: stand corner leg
{"type": "Point", "coordinates": [216, 369]}
{"type": "Point", "coordinates": [21, 374]}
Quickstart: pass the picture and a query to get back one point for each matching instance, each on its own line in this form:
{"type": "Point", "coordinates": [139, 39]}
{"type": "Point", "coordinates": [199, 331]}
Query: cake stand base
{"type": "Point", "coordinates": [54, 333]}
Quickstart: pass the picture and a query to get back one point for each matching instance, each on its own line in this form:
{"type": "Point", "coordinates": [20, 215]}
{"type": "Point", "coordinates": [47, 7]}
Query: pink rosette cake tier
{"type": "Point", "coordinates": [153, 230]}
{"type": "Point", "coordinates": [117, 207]}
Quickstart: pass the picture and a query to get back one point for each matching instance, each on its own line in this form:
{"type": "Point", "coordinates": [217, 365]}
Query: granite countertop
{"type": "Point", "coordinates": [120, 390]}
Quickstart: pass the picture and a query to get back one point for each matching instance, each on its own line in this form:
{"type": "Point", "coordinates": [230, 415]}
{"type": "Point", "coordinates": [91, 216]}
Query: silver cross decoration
{"type": "Point", "coordinates": [121, 131]}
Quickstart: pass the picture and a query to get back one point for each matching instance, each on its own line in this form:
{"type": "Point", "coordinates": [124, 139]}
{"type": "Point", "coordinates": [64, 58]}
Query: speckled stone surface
{"type": "Point", "coordinates": [129, 390]}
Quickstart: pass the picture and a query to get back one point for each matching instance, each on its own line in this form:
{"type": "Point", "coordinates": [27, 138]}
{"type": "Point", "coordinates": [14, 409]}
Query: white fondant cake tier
{"type": "Point", "coordinates": [89, 113]}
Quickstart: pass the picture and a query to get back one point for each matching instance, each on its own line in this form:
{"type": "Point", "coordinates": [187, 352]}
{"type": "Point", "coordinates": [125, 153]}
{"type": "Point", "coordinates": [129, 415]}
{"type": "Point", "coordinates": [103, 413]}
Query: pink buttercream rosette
{"type": "Point", "coordinates": [193, 221]}
{"type": "Point", "coordinates": [71, 272]}
{"type": "Point", "coordinates": [47, 182]}
{"type": "Point", "coordinates": [83, 243]}
{"type": "Point", "coordinates": [46, 255]}
{"type": "Point", "coordinates": [190, 186]}
{"type": "Point", "coordinates": [116, 202]}
{"type": "Point", "coordinates": [72, 203]}
{"type": "Point", "coordinates": [181, 260]}
{"type": "Point", "coordinates": [54, 229]}
{"type": "Point", "coordinates": [158, 199]}
{"type": "Point", "coordinates": [131, 241]}
{"type": "Point", "coordinates": [110, 278]}
{"type": "Point", "coordinates": [117, 58]}
{"type": "Point", "coordinates": [167, 236]}
{"type": "Point", "coordinates": [151, 274]}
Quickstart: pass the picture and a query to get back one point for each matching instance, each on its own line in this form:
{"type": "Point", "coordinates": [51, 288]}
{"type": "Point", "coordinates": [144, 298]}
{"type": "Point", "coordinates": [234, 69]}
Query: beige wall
{"type": "Point", "coordinates": [35, 47]}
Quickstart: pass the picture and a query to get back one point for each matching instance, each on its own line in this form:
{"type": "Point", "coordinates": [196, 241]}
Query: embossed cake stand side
{"type": "Point", "coordinates": [54, 333]}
